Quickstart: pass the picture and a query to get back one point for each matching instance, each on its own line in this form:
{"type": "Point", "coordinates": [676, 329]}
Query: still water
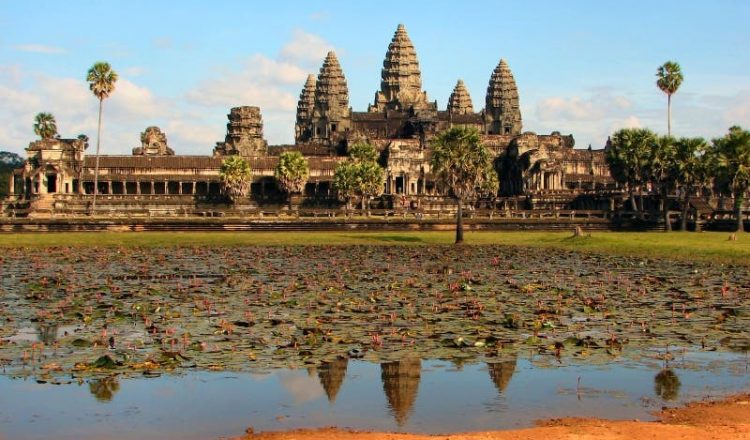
{"type": "Point", "coordinates": [413, 395]}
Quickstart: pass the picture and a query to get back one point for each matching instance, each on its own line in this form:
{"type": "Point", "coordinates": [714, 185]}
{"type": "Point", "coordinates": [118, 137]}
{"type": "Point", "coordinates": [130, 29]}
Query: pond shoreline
{"type": "Point", "coordinates": [728, 418]}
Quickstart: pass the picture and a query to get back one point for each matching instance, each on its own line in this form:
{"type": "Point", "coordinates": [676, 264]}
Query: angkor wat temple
{"type": "Point", "coordinates": [401, 121]}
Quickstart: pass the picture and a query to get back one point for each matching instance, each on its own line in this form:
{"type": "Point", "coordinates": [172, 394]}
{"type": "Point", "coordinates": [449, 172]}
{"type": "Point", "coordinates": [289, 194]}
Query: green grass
{"type": "Point", "coordinates": [683, 246]}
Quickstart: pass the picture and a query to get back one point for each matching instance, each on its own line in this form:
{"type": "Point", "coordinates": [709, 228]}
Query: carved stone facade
{"type": "Point", "coordinates": [459, 102]}
{"type": "Point", "coordinates": [153, 143]}
{"type": "Point", "coordinates": [244, 133]}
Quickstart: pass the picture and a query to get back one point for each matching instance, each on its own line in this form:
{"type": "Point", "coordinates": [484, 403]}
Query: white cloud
{"type": "Point", "coordinates": [39, 48]}
{"type": "Point", "coordinates": [597, 105]}
{"type": "Point", "coordinates": [305, 48]}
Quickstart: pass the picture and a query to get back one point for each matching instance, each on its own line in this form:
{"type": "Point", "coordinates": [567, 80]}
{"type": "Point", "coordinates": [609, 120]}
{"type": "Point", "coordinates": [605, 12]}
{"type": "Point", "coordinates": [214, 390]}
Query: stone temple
{"type": "Point", "coordinates": [400, 122]}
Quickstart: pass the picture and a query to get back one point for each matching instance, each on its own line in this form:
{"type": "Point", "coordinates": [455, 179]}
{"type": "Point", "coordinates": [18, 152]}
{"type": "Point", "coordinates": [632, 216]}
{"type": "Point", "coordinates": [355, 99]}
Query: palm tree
{"type": "Point", "coordinates": [669, 77]}
{"type": "Point", "coordinates": [660, 165]}
{"type": "Point", "coordinates": [101, 79]}
{"type": "Point", "coordinates": [689, 171]}
{"type": "Point", "coordinates": [291, 173]}
{"type": "Point", "coordinates": [371, 178]}
{"type": "Point", "coordinates": [733, 155]}
{"type": "Point", "coordinates": [628, 160]}
{"type": "Point", "coordinates": [45, 125]}
{"type": "Point", "coordinates": [235, 177]}
{"type": "Point", "coordinates": [462, 165]}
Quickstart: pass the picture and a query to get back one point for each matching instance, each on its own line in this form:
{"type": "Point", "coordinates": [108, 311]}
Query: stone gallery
{"type": "Point", "coordinates": [400, 123]}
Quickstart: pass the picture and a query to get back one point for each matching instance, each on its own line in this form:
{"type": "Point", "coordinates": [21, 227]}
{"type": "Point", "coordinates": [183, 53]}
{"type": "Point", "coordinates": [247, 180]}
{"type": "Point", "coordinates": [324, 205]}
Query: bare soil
{"type": "Point", "coordinates": [721, 420]}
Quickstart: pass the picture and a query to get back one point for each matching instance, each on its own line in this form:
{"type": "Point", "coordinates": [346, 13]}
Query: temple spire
{"type": "Point", "coordinates": [459, 102]}
{"type": "Point", "coordinates": [401, 79]}
{"type": "Point", "coordinates": [502, 110]}
{"type": "Point", "coordinates": [331, 113]}
{"type": "Point", "coordinates": [305, 107]}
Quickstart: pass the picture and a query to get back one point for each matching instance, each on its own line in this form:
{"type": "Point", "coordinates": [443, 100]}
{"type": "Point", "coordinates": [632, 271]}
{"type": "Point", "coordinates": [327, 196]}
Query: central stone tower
{"type": "Point", "coordinates": [502, 112]}
{"type": "Point", "coordinates": [401, 80]}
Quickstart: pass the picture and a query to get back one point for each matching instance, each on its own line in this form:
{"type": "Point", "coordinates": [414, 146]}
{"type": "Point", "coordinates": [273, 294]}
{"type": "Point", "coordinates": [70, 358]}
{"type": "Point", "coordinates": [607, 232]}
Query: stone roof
{"type": "Point", "coordinates": [166, 162]}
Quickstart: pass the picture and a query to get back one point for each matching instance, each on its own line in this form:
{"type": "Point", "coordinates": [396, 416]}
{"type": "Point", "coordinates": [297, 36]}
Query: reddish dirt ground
{"type": "Point", "coordinates": [728, 419]}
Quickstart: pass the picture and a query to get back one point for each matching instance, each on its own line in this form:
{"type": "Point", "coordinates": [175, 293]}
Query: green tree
{"type": "Point", "coordinates": [733, 159]}
{"type": "Point", "coordinates": [628, 159]}
{"type": "Point", "coordinates": [45, 125]}
{"type": "Point", "coordinates": [235, 176]}
{"type": "Point", "coordinates": [101, 79]}
{"type": "Point", "coordinates": [363, 152]}
{"type": "Point", "coordinates": [660, 166]}
{"type": "Point", "coordinates": [463, 166]}
{"type": "Point", "coordinates": [689, 171]}
{"type": "Point", "coordinates": [8, 162]}
{"type": "Point", "coordinates": [370, 183]}
{"type": "Point", "coordinates": [669, 78]}
{"type": "Point", "coordinates": [346, 181]}
{"type": "Point", "coordinates": [292, 173]}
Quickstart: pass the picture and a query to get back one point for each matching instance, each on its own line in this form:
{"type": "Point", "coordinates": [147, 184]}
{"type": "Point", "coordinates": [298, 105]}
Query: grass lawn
{"type": "Point", "coordinates": [684, 246]}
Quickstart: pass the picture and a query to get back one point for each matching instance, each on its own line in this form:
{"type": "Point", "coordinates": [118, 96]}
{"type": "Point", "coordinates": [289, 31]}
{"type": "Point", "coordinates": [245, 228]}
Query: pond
{"type": "Point", "coordinates": [206, 341]}
{"type": "Point", "coordinates": [411, 395]}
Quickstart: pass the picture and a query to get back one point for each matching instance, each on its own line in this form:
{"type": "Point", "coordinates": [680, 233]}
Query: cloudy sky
{"type": "Point", "coordinates": [582, 67]}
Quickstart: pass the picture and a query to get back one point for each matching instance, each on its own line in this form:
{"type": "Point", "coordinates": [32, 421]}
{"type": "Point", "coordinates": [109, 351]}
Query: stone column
{"type": "Point", "coordinates": [179, 189]}
{"type": "Point", "coordinates": [138, 187]}
{"type": "Point", "coordinates": [109, 187]}
{"type": "Point", "coordinates": [192, 191]}
{"type": "Point", "coordinates": [153, 188]}
{"type": "Point", "coordinates": [12, 188]}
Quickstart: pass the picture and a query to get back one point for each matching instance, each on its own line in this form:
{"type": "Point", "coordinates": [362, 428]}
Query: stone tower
{"type": "Point", "coordinates": [305, 107]}
{"type": "Point", "coordinates": [401, 80]}
{"type": "Point", "coordinates": [502, 112]}
{"type": "Point", "coordinates": [459, 102]}
{"type": "Point", "coordinates": [331, 117]}
{"type": "Point", "coordinates": [244, 133]}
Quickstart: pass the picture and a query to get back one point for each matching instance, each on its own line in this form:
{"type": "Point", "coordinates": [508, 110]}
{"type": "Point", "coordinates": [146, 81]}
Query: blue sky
{"type": "Point", "coordinates": [582, 67]}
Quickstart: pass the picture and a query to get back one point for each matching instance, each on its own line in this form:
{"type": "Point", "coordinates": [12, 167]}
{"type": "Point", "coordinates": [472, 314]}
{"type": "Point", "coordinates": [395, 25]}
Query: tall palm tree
{"type": "Point", "coordinates": [733, 151]}
{"type": "Point", "coordinates": [45, 125]}
{"type": "Point", "coordinates": [669, 78]}
{"type": "Point", "coordinates": [235, 177]}
{"type": "Point", "coordinates": [101, 79]}
{"type": "Point", "coordinates": [462, 165]}
{"type": "Point", "coordinates": [292, 173]}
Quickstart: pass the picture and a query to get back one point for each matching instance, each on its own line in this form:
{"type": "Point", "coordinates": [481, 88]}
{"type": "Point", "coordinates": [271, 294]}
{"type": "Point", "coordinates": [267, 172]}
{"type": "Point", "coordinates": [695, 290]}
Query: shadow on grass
{"type": "Point", "coordinates": [389, 238]}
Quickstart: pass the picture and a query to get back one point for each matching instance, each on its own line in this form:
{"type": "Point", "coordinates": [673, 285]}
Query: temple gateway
{"type": "Point", "coordinates": [58, 175]}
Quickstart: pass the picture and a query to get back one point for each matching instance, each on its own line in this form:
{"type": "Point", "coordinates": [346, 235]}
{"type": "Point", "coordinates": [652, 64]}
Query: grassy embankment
{"type": "Point", "coordinates": [683, 246]}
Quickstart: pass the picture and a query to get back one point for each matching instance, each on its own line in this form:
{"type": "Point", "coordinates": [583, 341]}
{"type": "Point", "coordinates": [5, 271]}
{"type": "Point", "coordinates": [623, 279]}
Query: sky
{"type": "Point", "coordinates": [583, 67]}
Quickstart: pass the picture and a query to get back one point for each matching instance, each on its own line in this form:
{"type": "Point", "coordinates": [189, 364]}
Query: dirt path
{"type": "Point", "coordinates": [725, 420]}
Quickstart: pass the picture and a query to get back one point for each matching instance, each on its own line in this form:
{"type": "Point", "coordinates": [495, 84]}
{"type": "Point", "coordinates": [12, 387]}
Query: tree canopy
{"type": "Point", "coordinates": [236, 176]}
{"type": "Point", "coordinates": [292, 172]}
{"type": "Point", "coordinates": [45, 125]}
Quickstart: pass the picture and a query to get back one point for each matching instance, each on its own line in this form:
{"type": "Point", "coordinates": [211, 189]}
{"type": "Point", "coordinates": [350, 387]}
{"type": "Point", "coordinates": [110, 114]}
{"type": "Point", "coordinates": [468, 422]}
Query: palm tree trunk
{"type": "Point", "coordinates": [96, 166]}
{"type": "Point", "coordinates": [738, 199]}
{"type": "Point", "coordinates": [460, 222]}
{"type": "Point", "coordinates": [685, 206]}
{"type": "Point", "coordinates": [665, 209]}
{"type": "Point", "coordinates": [632, 200]}
{"type": "Point", "coordinates": [669, 115]}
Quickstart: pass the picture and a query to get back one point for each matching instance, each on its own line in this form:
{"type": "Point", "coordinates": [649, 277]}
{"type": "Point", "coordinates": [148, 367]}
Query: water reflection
{"type": "Point", "coordinates": [501, 373]}
{"type": "Point", "coordinates": [331, 375]}
{"type": "Point", "coordinates": [48, 333]}
{"type": "Point", "coordinates": [105, 388]}
{"type": "Point", "coordinates": [400, 383]}
{"type": "Point", "coordinates": [667, 384]}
